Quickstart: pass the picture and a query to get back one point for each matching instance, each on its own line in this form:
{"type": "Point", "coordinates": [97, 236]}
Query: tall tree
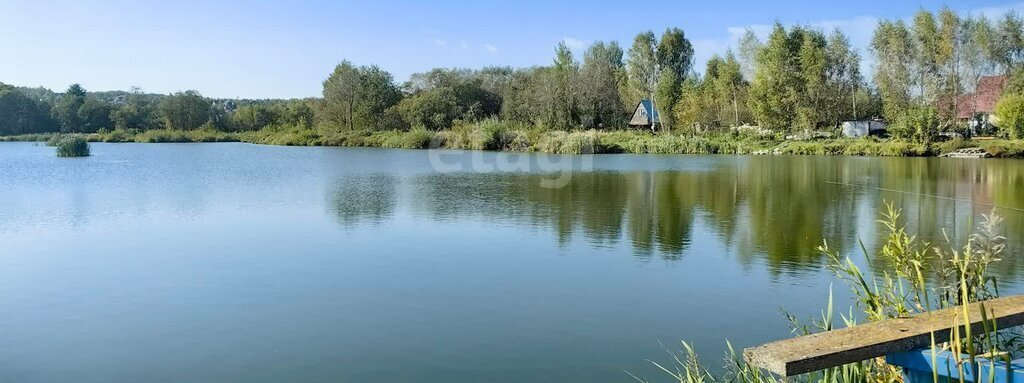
{"type": "Point", "coordinates": [94, 114]}
{"type": "Point", "coordinates": [137, 112]}
{"type": "Point", "coordinates": [602, 69]}
{"type": "Point", "coordinates": [353, 95]}
{"type": "Point", "coordinates": [775, 93]}
{"type": "Point", "coordinates": [674, 61]}
{"type": "Point", "coordinates": [563, 112]}
{"type": "Point", "coordinates": [186, 110]}
{"type": "Point", "coordinates": [641, 67]}
{"type": "Point", "coordinates": [812, 86]}
{"type": "Point", "coordinates": [66, 109]}
{"type": "Point", "coordinates": [1008, 46]}
{"type": "Point", "coordinates": [844, 78]}
{"type": "Point", "coordinates": [948, 55]}
{"type": "Point", "coordinates": [892, 46]}
{"type": "Point", "coordinates": [925, 54]}
{"type": "Point", "coordinates": [20, 114]}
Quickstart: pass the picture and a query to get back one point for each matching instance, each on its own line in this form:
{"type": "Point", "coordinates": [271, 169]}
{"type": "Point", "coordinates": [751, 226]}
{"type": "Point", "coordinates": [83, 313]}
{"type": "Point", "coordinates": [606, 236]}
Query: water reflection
{"type": "Point", "coordinates": [773, 211]}
{"type": "Point", "coordinates": [364, 199]}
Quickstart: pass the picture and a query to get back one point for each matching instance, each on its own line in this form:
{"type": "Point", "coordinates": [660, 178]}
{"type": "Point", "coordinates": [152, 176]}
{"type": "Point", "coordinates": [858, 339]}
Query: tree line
{"type": "Point", "coordinates": [799, 78]}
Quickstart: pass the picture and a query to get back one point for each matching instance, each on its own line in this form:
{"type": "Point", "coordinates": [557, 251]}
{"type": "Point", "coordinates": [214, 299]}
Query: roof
{"type": "Point", "coordinates": [643, 118]}
{"type": "Point", "coordinates": [650, 109]}
{"type": "Point", "coordinates": [984, 98]}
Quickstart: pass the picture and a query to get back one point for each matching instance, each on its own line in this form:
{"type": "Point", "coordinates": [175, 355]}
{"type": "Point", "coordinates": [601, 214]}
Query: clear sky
{"type": "Point", "coordinates": [283, 49]}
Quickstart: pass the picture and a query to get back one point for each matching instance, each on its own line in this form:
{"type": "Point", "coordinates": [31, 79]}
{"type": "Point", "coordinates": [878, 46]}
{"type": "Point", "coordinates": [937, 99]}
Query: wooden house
{"type": "Point", "coordinates": [644, 116]}
{"type": "Point", "coordinates": [978, 108]}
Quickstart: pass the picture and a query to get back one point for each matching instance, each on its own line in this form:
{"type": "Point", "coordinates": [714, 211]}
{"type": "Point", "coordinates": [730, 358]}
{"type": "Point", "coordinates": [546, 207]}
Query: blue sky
{"type": "Point", "coordinates": [285, 49]}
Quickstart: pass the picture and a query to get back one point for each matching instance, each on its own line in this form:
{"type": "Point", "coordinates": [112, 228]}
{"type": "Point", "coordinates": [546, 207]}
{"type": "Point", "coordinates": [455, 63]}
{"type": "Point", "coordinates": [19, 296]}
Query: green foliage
{"type": "Point", "coordinates": [893, 47]}
{"type": "Point", "coordinates": [439, 97]}
{"type": "Point", "coordinates": [138, 112]}
{"type": "Point", "coordinates": [66, 109]}
{"type": "Point", "coordinates": [1010, 111]}
{"type": "Point", "coordinates": [600, 76]}
{"type": "Point", "coordinates": [20, 114]}
{"type": "Point", "coordinates": [641, 68]}
{"type": "Point", "coordinates": [176, 135]}
{"type": "Point", "coordinates": [354, 95]}
{"type": "Point", "coordinates": [256, 116]}
{"type": "Point", "coordinates": [776, 88]}
{"type": "Point", "coordinates": [184, 111]}
{"type": "Point", "coordinates": [72, 146]}
{"type": "Point", "coordinates": [433, 109]}
{"type": "Point", "coordinates": [916, 123]}
{"type": "Point", "coordinates": [94, 114]}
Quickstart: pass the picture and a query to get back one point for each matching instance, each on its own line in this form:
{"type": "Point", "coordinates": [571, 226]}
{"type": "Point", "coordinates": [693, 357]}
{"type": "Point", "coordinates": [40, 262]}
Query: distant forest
{"type": "Point", "coordinates": [799, 78]}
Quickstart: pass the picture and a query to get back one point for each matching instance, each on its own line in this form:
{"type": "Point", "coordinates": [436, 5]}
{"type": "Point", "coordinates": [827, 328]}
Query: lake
{"type": "Point", "coordinates": [238, 262]}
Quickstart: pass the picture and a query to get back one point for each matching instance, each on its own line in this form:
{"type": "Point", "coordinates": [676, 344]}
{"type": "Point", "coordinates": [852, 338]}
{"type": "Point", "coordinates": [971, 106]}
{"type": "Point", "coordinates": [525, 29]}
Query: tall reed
{"type": "Point", "coordinates": [72, 146]}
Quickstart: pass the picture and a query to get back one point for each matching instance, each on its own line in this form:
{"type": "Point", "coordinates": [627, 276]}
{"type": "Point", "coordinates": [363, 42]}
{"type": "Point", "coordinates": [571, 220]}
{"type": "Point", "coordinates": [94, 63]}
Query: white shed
{"type": "Point", "coordinates": [861, 128]}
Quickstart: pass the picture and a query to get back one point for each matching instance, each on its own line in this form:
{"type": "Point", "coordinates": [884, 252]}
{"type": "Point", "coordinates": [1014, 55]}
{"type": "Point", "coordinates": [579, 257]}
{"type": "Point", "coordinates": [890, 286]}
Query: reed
{"type": "Point", "coordinates": [916, 277]}
{"type": "Point", "coordinates": [72, 146]}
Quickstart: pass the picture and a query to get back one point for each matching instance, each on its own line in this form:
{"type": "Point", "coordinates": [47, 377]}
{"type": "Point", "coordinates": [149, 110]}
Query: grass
{"type": "Point", "coordinates": [71, 146]}
{"type": "Point", "coordinates": [501, 135]}
{"type": "Point", "coordinates": [915, 277]}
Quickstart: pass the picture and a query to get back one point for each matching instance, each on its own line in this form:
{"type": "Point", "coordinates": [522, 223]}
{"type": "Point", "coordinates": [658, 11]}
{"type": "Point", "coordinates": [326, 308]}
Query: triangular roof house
{"type": "Point", "coordinates": [644, 115]}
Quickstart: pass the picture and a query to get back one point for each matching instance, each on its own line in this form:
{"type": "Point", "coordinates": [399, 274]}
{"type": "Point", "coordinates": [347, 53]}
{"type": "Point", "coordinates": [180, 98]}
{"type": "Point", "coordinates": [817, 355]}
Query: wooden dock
{"type": "Point", "coordinates": [871, 340]}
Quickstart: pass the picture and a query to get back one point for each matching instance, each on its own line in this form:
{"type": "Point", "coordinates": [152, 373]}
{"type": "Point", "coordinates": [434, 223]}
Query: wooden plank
{"type": "Point", "coordinates": [852, 344]}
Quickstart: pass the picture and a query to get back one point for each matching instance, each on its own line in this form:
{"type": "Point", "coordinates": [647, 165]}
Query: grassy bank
{"type": "Point", "coordinates": [504, 136]}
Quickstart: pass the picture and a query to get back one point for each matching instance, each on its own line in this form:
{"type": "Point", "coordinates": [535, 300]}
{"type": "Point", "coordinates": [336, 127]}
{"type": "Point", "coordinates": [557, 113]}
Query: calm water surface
{"type": "Point", "coordinates": [235, 262]}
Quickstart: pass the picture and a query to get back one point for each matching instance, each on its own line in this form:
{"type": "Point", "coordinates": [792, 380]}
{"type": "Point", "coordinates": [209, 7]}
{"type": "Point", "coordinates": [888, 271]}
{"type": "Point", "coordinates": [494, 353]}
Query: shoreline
{"type": "Point", "coordinates": [558, 142]}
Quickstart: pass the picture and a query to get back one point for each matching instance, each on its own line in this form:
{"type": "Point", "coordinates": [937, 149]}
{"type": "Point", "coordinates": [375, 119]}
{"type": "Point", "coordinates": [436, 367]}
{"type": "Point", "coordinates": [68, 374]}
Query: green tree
{"type": "Point", "coordinates": [66, 109]}
{"type": "Point", "coordinates": [434, 109]}
{"type": "Point", "coordinates": [948, 54]}
{"type": "Point", "coordinates": [893, 47]}
{"type": "Point", "coordinates": [354, 95]}
{"type": "Point", "coordinates": [812, 86]}
{"type": "Point", "coordinates": [1010, 111]}
{"type": "Point", "coordinates": [925, 55]}
{"type": "Point", "coordinates": [94, 114]}
{"type": "Point", "coordinates": [563, 112]}
{"type": "Point", "coordinates": [600, 75]}
{"type": "Point", "coordinates": [641, 67]}
{"type": "Point", "coordinates": [775, 93]}
{"type": "Point", "coordinates": [731, 88]}
{"type": "Point", "coordinates": [674, 61]}
{"type": "Point", "coordinates": [137, 112]}
{"type": "Point", "coordinates": [20, 114]}
{"type": "Point", "coordinates": [1008, 46]}
{"type": "Point", "coordinates": [255, 116]}
{"type": "Point", "coordinates": [184, 110]}
{"type": "Point", "coordinates": [844, 79]}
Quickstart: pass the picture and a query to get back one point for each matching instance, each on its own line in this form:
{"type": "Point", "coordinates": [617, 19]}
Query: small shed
{"type": "Point", "coordinates": [644, 115]}
{"type": "Point", "coordinates": [861, 128]}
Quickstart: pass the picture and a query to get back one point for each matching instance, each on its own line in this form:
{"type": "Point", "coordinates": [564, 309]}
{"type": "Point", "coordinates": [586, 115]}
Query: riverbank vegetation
{"type": "Point", "coordinates": [497, 135]}
{"type": "Point", "coordinates": [914, 277]}
{"type": "Point", "coordinates": [784, 95]}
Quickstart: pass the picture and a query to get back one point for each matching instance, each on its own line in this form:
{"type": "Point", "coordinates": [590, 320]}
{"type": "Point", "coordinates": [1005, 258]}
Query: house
{"type": "Point", "coordinates": [861, 128]}
{"type": "Point", "coordinates": [978, 108]}
{"type": "Point", "coordinates": [644, 116]}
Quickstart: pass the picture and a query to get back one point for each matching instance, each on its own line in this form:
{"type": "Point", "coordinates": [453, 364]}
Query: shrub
{"type": "Point", "coordinates": [72, 146]}
{"type": "Point", "coordinates": [1010, 111]}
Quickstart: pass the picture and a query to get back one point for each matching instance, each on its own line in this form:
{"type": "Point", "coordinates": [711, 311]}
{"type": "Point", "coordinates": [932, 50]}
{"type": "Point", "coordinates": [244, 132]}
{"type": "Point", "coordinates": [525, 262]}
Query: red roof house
{"type": "Point", "coordinates": [984, 98]}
